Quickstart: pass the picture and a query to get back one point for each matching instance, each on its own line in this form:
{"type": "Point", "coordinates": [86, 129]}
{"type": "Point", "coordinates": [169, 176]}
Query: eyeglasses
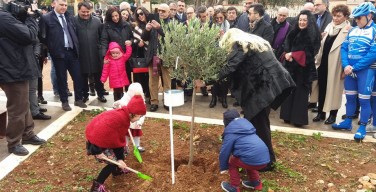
{"type": "Point", "coordinates": [358, 18]}
{"type": "Point", "coordinates": [140, 14]}
{"type": "Point", "coordinates": [162, 11]}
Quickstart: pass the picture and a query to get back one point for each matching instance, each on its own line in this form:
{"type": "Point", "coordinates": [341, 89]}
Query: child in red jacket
{"type": "Point", "coordinates": [105, 136]}
{"type": "Point", "coordinates": [114, 67]}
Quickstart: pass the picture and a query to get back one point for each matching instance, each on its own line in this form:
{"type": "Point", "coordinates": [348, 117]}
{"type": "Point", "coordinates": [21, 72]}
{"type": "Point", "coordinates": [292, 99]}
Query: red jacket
{"type": "Point", "coordinates": [108, 129]}
{"type": "Point", "coordinates": [115, 69]}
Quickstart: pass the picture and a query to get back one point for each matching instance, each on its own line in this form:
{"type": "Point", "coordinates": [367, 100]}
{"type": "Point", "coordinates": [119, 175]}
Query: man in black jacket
{"type": "Point", "coordinates": [58, 33]}
{"type": "Point", "coordinates": [89, 29]}
{"type": "Point", "coordinates": [16, 69]}
{"type": "Point", "coordinates": [258, 26]}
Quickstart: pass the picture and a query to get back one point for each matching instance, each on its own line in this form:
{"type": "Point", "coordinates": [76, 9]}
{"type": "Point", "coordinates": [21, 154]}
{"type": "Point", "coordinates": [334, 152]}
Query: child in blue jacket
{"type": "Point", "coordinates": [241, 148]}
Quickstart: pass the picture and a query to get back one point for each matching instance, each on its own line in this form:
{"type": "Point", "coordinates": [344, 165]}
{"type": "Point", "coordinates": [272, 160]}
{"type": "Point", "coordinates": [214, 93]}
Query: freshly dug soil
{"type": "Point", "coordinates": [304, 163]}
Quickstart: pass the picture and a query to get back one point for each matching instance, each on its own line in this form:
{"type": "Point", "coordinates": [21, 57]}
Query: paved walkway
{"type": "Point", "coordinates": [204, 114]}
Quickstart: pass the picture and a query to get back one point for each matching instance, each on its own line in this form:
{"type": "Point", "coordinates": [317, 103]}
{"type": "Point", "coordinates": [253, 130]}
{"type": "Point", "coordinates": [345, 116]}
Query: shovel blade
{"type": "Point", "coordinates": [137, 154]}
{"type": "Point", "coordinates": [144, 177]}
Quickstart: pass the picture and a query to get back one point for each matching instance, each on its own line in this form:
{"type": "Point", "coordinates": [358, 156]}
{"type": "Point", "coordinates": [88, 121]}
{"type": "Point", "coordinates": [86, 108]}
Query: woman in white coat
{"type": "Point", "coordinates": [330, 73]}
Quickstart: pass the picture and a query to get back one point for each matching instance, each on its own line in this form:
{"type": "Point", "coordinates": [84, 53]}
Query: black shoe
{"type": "Point", "coordinates": [41, 100]}
{"type": "Point", "coordinates": [80, 103]}
{"type": "Point", "coordinates": [213, 102]}
{"type": "Point", "coordinates": [204, 91]}
{"type": "Point", "coordinates": [18, 150]}
{"type": "Point", "coordinates": [92, 92]}
{"type": "Point", "coordinates": [41, 116]}
{"type": "Point", "coordinates": [315, 110]}
{"type": "Point", "coordinates": [312, 105]}
{"type": "Point", "coordinates": [153, 108]}
{"type": "Point", "coordinates": [66, 106]}
{"type": "Point", "coordinates": [319, 117]}
{"type": "Point", "coordinates": [85, 99]}
{"type": "Point", "coordinates": [102, 99]}
{"type": "Point", "coordinates": [35, 140]}
{"type": "Point", "coordinates": [331, 119]}
{"type": "Point", "coordinates": [69, 93]}
{"type": "Point", "coordinates": [42, 110]}
{"type": "Point", "coordinates": [224, 102]}
{"type": "Point", "coordinates": [236, 104]}
{"type": "Point", "coordinates": [166, 107]}
{"type": "Point", "coordinates": [106, 93]}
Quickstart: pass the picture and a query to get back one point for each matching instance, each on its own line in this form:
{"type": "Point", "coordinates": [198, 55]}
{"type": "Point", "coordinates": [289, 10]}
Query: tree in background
{"type": "Point", "coordinates": [199, 57]}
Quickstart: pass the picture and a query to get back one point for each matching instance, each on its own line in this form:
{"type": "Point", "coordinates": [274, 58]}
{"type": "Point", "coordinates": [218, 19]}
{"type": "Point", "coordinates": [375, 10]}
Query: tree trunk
{"type": "Point", "coordinates": [192, 126]}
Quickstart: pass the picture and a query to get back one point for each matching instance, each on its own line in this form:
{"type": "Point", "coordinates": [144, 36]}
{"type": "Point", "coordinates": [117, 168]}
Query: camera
{"type": "Point", "coordinates": [19, 9]}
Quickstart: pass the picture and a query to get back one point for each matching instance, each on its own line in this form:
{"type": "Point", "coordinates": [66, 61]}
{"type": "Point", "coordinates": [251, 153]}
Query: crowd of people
{"type": "Point", "coordinates": [295, 63]}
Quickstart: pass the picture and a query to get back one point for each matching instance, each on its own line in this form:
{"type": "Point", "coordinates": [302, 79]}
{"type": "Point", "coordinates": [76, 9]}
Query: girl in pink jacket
{"type": "Point", "coordinates": [114, 67]}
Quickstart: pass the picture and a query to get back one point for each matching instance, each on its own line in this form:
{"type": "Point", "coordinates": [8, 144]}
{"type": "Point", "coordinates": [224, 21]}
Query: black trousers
{"type": "Point", "coordinates": [98, 85]}
{"type": "Point", "coordinates": [62, 65]}
{"type": "Point", "coordinates": [262, 124]}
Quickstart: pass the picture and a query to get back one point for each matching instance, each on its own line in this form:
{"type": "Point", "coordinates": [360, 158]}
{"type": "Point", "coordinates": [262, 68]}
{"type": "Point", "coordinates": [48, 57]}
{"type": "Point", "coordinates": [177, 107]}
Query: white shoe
{"type": "Point", "coordinates": [371, 129]}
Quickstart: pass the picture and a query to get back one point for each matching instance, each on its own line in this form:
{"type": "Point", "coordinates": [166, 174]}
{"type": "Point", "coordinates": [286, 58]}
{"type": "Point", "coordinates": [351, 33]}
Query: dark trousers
{"type": "Point", "coordinates": [98, 85]}
{"type": "Point", "coordinates": [70, 63]}
{"type": "Point", "coordinates": [118, 93]}
{"type": "Point", "coordinates": [40, 79]}
{"type": "Point", "coordinates": [262, 124]}
{"type": "Point", "coordinates": [20, 122]}
{"type": "Point", "coordinates": [143, 79]}
{"type": "Point", "coordinates": [322, 81]}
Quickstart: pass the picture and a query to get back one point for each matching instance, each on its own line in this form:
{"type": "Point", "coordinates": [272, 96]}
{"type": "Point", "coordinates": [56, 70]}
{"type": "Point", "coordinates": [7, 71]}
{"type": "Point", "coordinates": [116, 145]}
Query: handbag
{"type": "Point", "coordinates": [139, 65]}
{"type": "Point", "coordinates": [156, 62]}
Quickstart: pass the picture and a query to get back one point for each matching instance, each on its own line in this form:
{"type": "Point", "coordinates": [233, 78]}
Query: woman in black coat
{"type": "Point", "coordinates": [301, 46]}
{"type": "Point", "coordinates": [259, 81]}
{"type": "Point", "coordinates": [116, 30]}
{"type": "Point", "coordinates": [140, 46]}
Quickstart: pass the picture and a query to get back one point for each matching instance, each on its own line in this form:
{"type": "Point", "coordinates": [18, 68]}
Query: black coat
{"type": "Point", "coordinates": [264, 30]}
{"type": "Point", "coordinates": [118, 33]}
{"type": "Point", "coordinates": [52, 34]}
{"type": "Point", "coordinates": [17, 59]}
{"type": "Point", "coordinates": [88, 33]}
{"type": "Point", "coordinates": [326, 18]}
{"type": "Point", "coordinates": [258, 80]}
{"type": "Point", "coordinates": [302, 40]}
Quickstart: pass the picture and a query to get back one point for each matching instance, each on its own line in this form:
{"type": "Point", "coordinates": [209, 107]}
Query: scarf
{"type": "Point", "coordinates": [333, 30]}
{"type": "Point", "coordinates": [253, 24]}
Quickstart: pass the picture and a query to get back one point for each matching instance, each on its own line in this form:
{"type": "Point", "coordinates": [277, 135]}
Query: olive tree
{"type": "Point", "coordinates": [200, 57]}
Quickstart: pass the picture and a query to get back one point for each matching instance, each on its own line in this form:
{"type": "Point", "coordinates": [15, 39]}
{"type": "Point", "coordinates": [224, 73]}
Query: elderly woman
{"type": "Point", "coordinates": [301, 46]}
{"type": "Point", "coordinates": [330, 77]}
{"type": "Point", "coordinates": [115, 30]}
{"type": "Point", "coordinates": [258, 80]}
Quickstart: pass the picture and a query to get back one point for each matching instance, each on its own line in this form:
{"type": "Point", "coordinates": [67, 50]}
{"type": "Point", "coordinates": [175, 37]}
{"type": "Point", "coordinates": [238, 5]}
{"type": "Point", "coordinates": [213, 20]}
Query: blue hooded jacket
{"type": "Point", "coordinates": [240, 140]}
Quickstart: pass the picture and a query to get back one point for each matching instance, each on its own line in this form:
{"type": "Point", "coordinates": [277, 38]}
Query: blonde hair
{"type": "Point", "coordinates": [246, 40]}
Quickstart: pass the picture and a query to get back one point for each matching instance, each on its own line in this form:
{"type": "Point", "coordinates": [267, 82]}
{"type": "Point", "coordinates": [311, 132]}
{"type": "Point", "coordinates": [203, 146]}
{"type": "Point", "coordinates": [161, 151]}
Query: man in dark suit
{"type": "Point", "coordinates": [58, 33]}
{"type": "Point", "coordinates": [180, 15]}
{"type": "Point", "coordinates": [322, 15]}
{"type": "Point", "coordinates": [89, 29]}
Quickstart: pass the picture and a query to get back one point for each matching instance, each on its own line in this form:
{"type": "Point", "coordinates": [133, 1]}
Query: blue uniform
{"type": "Point", "coordinates": [359, 51]}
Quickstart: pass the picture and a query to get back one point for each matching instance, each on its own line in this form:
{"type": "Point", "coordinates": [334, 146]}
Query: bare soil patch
{"type": "Point", "coordinates": [305, 163]}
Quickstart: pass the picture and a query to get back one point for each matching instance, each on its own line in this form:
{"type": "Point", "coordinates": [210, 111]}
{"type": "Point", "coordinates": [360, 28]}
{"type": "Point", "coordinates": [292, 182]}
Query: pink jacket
{"type": "Point", "coordinates": [115, 68]}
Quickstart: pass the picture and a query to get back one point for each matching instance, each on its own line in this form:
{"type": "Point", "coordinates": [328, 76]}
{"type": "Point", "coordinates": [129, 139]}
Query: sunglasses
{"type": "Point", "coordinates": [140, 14]}
{"type": "Point", "coordinates": [358, 18]}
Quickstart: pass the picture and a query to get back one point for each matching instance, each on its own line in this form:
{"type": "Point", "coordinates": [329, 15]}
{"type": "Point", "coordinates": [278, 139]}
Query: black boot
{"type": "Point", "coordinates": [331, 119]}
{"type": "Point", "coordinates": [224, 102]}
{"type": "Point", "coordinates": [320, 116]}
{"type": "Point", "coordinates": [97, 187]}
{"type": "Point", "coordinates": [204, 91]}
{"type": "Point", "coordinates": [213, 102]}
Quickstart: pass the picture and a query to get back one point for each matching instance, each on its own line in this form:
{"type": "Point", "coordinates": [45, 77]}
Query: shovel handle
{"type": "Point", "coordinates": [118, 164]}
{"type": "Point", "coordinates": [130, 135]}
